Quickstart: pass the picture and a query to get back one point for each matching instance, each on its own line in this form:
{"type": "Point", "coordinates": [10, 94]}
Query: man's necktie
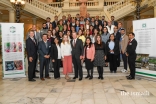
{"type": "Point", "coordinates": [74, 43]}
{"type": "Point", "coordinates": [34, 41]}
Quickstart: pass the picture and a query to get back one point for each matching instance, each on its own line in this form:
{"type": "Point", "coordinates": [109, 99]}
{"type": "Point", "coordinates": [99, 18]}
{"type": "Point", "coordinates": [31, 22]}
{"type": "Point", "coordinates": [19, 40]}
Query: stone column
{"type": "Point", "coordinates": [154, 11]}
{"type": "Point", "coordinates": [11, 15]}
{"type": "Point", "coordinates": [34, 21]}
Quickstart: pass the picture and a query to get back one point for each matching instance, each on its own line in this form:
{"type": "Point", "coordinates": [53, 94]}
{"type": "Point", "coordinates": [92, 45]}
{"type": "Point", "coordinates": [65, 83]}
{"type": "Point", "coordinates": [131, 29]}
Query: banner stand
{"type": "Point", "coordinates": [13, 63]}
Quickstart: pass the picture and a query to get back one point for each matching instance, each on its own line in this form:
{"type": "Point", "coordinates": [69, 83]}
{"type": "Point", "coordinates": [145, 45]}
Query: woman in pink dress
{"type": "Point", "coordinates": [66, 56]}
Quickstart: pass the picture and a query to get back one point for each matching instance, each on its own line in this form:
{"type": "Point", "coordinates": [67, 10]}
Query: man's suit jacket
{"type": "Point", "coordinates": [31, 48]}
{"type": "Point", "coordinates": [54, 24]}
{"type": "Point", "coordinates": [54, 52]}
{"type": "Point", "coordinates": [43, 50]}
{"type": "Point", "coordinates": [124, 42]}
{"type": "Point", "coordinates": [77, 51]}
{"type": "Point", "coordinates": [118, 36]}
{"type": "Point", "coordinates": [43, 31]}
{"type": "Point", "coordinates": [115, 23]}
{"type": "Point", "coordinates": [36, 36]}
{"type": "Point", "coordinates": [47, 27]}
{"type": "Point", "coordinates": [132, 47]}
{"type": "Point", "coordinates": [116, 48]}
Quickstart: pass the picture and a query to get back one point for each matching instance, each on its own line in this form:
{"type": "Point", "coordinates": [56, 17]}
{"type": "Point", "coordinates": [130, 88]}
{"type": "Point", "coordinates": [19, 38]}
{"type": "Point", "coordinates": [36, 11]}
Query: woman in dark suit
{"type": "Point", "coordinates": [56, 57]}
{"type": "Point", "coordinates": [112, 48]}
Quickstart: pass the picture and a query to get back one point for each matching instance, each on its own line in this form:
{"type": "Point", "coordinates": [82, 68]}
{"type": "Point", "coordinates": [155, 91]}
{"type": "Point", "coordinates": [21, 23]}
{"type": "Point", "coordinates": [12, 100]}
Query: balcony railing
{"type": "Point", "coordinates": [77, 3]}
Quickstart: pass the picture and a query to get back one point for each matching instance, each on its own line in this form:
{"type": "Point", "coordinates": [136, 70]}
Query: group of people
{"type": "Point", "coordinates": [74, 40]}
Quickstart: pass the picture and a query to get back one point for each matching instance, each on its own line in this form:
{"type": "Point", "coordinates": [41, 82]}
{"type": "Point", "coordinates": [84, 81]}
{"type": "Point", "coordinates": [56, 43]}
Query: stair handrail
{"type": "Point", "coordinates": [44, 6]}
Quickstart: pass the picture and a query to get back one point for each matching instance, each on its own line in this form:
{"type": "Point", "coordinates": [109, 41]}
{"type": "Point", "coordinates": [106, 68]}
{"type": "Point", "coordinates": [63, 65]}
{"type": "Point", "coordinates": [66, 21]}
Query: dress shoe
{"type": "Point", "coordinates": [87, 76]}
{"type": "Point", "coordinates": [48, 77]}
{"type": "Point", "coordinates": [99, 77]}
{"type": "Point", "coordinates": [37, 71]}
{"type": "Point", "coordinates": [32, 80]}
{"type": "Point", "coordinates": [114, 71]}
{"type": "Point", "coordinates": [80, 79]}
{"type": "Point", "coordinates": [42, 79]}
{"type": "Point", "coordinates": [130, 78]}
{"type": "Point", "coordinates": [74, 77]}
{"type": "Point", "coordinates": [36, 77]}
{"type": "Point", "coordinates": [102, 78]}
{"type": "Point", "coordinates": [91, 77]}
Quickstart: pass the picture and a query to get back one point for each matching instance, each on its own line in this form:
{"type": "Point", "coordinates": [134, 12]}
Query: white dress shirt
{"type": "Point", "coordinates": [65, 49]}
{"type": "Point", "coordinates": [59, 51]}
{"type": "Point", "coordinates": [110, 30]}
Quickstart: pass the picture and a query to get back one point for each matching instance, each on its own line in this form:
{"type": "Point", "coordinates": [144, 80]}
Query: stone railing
{"type": "Point", "coordinates": [118, 5]}
{"type": "Point", "coordinates": [56, 4]}
{"type": "Point", "coordinates": [89, 3]}
{"type": "Point", "coordinates": [77, 3]}
{"type": "Point", "coordinates": [42, 6]}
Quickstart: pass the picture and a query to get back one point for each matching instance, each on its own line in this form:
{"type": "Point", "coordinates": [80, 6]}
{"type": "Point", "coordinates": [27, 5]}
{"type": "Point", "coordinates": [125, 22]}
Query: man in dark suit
{"type": "Point", "coordinates": [48, 22]}
{"type": "Point", "coordinates": [99, 21]}
{"type": "Point", "coordinates": [54, 23]}
{"type": "Point", "coordinates": [77, 55]}
{"type": "Point", "coordinates": [113, 21]}
{"type": "Point", "coordinates": [87, 17]}
{"type": "Point", "coordinates": [31, 47]}
{"type": "Point", "coordinates": [117, 37]}
{"type": "Point", "coordinates": [131, 53]}
{"type": "Point", "coordinates": [44, 48]}
{"type": "Point", "coordinates": [38, 39]}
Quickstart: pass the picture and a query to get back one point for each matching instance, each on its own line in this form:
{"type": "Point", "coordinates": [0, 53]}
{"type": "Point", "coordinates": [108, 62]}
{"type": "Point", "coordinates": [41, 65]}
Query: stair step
{"type": "Point", "coordinates": [95, 73]}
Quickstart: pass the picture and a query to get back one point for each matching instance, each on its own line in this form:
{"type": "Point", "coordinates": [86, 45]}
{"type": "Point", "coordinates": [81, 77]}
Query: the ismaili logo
{"type": "Point", "coordinates": [144, 25]}
{"type": "Point", "coordinates": [12, 29]}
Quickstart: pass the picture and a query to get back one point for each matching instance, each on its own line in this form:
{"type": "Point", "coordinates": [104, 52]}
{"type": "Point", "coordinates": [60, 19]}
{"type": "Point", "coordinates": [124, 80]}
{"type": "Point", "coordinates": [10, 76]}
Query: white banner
{"type": "Point", "coordinates": [13, 50]}
{"type": "Point", "coordinates": [145, 34]}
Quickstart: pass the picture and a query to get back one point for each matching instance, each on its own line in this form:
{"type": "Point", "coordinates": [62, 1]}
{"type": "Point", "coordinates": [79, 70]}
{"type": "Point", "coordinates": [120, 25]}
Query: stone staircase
{"type": "Point", "coordinates": [37, 8]}
{"type": "Point", "coordinates": [118, 9]}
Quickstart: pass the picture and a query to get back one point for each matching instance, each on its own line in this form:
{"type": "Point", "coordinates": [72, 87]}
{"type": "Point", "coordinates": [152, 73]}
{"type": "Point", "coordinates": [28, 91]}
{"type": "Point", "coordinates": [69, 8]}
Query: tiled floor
{"type": "Point", "coordinates": [111, 90]}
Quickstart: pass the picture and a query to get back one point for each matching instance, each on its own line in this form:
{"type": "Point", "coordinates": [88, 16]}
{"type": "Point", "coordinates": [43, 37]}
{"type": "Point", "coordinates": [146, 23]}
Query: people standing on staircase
{"type": "Point", "coordinates": [88, 56]}
{"type": "Point", "coordinates": [115, 23]}
{"type": "Point", "coordinates": [48, 22]}
{"type": "Point", "coordinates": [55, 22]}
{"type": "Point", "coordinates": [100, 55]}
{"type": "Point", "coordinates": [105, 36]}
{"type": "Point", "coordinates": [131, 54]}
{"type": "Point", "coordinates": [44, 29]}
{"type": "Point", "coordinates": [66, 56]}
{"type": "Point", "coordinates": [112, 48]}
{"type": "Point", "coordinates": [123, 46]}
{"type": "Point", "coordinates": [110, 27]}
{"type": "Point", "coordinates": [56, 57]}
{"type": "Point", "coordinates": [77, 55]}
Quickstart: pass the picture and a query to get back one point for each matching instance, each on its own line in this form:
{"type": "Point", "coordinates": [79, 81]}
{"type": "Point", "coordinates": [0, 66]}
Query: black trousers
{"type": "Point", "coordinates": [77, 66]}
{"type": "Point", "coordinates": [100, 70]}
{"type": "Point", "coordinates": [118, 60]}
{"type": "Point", "coordinates": [124, 58]}
{"type": "Point", "coordinates": [31, 68]}
{"type": "Point", "coordinates": [56, 65]}
{"type": "Point", "coordinates": [44, 63]}
{"type": "Point", "coordinates": [113, 62]}
{"type": "Point", "coordinates": [131, 63]}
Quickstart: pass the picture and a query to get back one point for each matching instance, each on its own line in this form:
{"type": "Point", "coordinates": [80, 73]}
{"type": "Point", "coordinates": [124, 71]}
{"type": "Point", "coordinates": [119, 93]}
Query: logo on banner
{"type": "Point", "coordinates": [12, 29]}
{"type": "Point", "coordinates": [144, 25]}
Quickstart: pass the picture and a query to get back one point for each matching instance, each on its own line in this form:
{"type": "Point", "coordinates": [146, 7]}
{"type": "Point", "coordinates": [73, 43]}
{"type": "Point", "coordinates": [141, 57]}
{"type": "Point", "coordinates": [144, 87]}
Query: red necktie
{"type": "Point", "coordinates": [129, 42]}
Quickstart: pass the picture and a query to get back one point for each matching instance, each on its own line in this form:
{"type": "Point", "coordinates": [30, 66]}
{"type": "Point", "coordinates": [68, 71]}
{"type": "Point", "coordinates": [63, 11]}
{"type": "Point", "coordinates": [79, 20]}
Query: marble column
{"type": "Point", "coordinates": [11, 15]}
{"type": "Point", "coordinates": [154, 11]}
{"type": "Point", "coordinates": [34, 21]}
